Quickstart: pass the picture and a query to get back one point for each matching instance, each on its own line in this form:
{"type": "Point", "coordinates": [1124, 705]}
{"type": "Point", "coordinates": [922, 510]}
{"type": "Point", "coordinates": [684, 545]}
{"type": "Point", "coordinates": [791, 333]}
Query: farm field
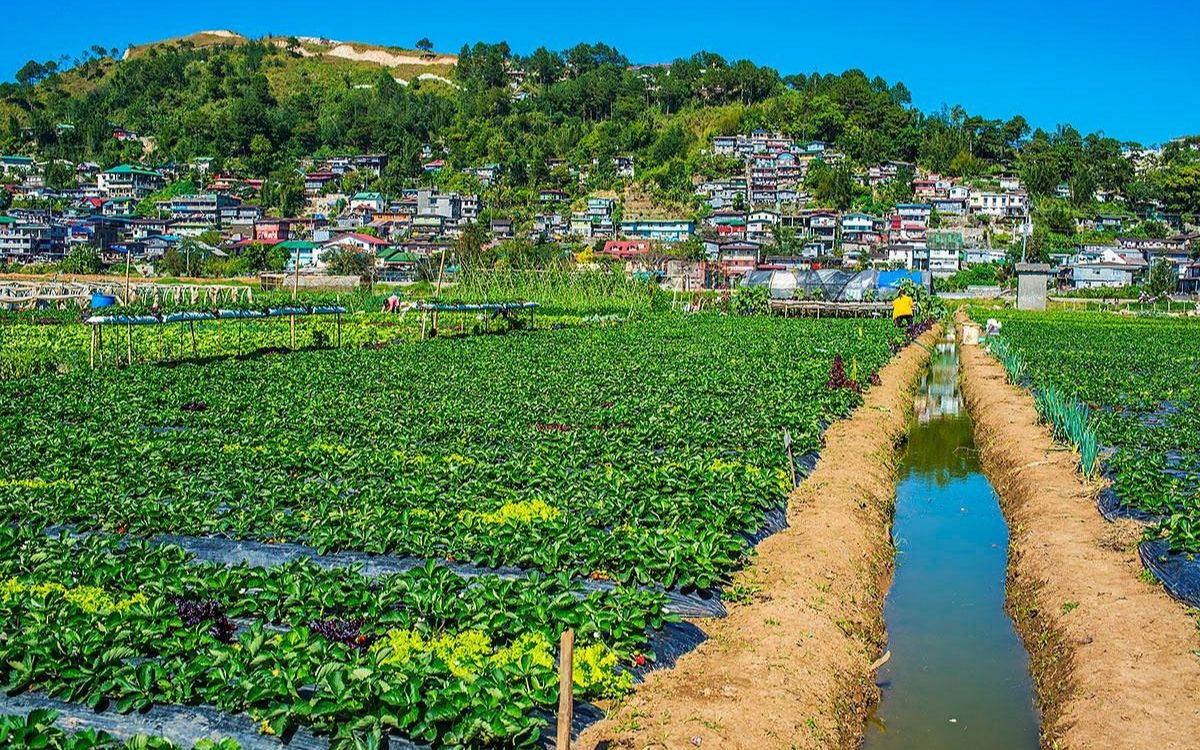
{"type": "Point", "coordinates": [579, 477]}
{"type": "Point", "coordinates": [1137, 380]}
{"type": "Point", "coordinates": [56, 341]}
{"type": "Point", "coordinates": [29, 348]}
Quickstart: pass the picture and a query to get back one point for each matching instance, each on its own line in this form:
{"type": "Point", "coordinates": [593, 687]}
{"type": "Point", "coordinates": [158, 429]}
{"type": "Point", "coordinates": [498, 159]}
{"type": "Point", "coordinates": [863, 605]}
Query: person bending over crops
{"type": "Point", "coordinates": [902, 310]}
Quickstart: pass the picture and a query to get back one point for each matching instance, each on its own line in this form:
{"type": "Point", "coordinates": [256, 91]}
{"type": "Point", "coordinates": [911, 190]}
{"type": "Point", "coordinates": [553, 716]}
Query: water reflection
{"type": "Point", "coordinates": [938, 394]}
{"type": "Point", "coordinates": [959, 675]}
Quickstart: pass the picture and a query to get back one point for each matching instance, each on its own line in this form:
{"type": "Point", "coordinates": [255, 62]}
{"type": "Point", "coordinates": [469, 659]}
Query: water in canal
{"type": "Point", "coordinates": [959, 675]}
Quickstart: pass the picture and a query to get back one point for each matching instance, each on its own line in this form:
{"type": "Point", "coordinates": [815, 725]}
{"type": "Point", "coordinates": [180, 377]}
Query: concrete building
{"type": "Point", "coordinates": [1032, 280]}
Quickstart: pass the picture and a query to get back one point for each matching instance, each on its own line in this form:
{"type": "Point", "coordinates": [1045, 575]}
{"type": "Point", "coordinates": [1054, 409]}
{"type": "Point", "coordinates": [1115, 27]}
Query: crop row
{"type": "Point", "coordinates": [1137, 381]}
{"type": "Point", "coordinates": [644, 454]}
{"type": "Point", "coordinates": [37, 729]}
{"type": "Point", "coordinates": [424, 654]}
{"type": "Point", "coordinates": [638, 453]}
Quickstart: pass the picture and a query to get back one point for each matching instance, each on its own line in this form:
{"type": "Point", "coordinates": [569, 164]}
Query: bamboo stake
{"type": "Point", "coordinates": [438, 290]}
{"type": "Point", "coordinates": [566, 689]}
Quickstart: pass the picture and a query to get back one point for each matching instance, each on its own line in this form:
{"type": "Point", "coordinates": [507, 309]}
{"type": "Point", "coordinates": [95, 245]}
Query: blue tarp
{"type": "Point", "coordinates": [893, 279]}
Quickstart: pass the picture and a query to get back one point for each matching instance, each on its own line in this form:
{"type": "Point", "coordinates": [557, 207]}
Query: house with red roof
{"type": "Point", "coordinates": [626, 249]}
{"type": "Point", "coordinates": [356, 241]}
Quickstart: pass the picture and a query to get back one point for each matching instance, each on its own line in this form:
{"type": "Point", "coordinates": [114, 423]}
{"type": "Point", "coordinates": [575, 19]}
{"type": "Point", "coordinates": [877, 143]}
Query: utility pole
{"type": "Point", "coordinates": [1025, 229]}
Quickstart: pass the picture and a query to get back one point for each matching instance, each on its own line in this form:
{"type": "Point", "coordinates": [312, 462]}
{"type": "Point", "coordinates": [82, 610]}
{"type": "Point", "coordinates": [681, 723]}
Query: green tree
{"type": "Point", "coordinates": [469, 247]}
{"type": "Point", "coordinates": [82, 259]}
{"type": "Point", "coordinates": [425, 45]}
{"type": "Point", "coordinates": [1161, 278]}
{"type": "Point", "coordinates": [259, 257]}
{"type": "Point", "coordinates": [345, 261]}
{"type": "Point", "coordinates": [60, 175]}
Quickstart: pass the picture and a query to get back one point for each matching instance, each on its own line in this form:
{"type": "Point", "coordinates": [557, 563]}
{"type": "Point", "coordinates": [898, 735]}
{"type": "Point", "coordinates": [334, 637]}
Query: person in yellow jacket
{"type": "Point", "coordinates": [902, 310]}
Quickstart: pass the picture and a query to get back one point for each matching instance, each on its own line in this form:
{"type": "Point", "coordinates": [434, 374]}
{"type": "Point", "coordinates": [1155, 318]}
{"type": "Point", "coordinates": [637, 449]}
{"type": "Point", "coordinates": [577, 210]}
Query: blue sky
{"type": "Point", "coordinates": [1128, 69]}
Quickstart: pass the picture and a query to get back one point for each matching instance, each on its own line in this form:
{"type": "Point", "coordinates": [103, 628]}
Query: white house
{"type": "Point", "coordinates": [997, 204]}
{"type": "Point", "coordinates": [361, 243]}
{"type": "Point", "coordinates": [127, 181]}
{"type": "Point", "coordinates": [857, 223]}
{"type": "Point", "coordinates": [372, 202]}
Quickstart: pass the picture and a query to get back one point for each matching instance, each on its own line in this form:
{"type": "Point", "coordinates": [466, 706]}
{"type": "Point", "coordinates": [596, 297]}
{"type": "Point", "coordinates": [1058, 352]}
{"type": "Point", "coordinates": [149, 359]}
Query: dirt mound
{"type": "Point", "coordinates": [791, 668]}
{"type": "Point", "coordinates": [385, 56]}
{"type": "Point", "coordinates": [1114, 659]}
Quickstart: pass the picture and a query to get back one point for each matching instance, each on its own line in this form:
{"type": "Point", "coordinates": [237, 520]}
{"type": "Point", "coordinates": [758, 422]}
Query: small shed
{"type": "Point", "coordinates": [1032, 281]}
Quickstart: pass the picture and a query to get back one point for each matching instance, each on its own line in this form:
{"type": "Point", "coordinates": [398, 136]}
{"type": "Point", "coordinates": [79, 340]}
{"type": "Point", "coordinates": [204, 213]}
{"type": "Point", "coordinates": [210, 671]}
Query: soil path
{"type": "Point", "coordinates": [791, 668]}
{"type": "Point", "coordinates": [1114, 658]}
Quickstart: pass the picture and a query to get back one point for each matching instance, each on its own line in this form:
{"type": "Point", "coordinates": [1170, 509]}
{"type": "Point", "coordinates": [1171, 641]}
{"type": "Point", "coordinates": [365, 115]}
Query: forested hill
{"type": "Point", "coordinates": [259, 105]}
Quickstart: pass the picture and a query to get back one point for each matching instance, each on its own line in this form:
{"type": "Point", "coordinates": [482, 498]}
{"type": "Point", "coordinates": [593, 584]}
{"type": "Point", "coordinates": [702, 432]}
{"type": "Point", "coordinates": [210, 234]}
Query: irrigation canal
{"type": "Point", "coordinates": [958, 676]}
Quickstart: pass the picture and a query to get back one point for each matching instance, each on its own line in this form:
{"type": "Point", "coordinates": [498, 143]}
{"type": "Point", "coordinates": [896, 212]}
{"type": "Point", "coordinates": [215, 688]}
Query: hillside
{"type": "Point", "coordinates": [404, 63]}
{"type": "Point", "coordinates": [262, 105]}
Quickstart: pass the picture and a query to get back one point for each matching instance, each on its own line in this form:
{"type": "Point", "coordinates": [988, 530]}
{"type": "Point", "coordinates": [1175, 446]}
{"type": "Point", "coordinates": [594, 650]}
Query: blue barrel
{"type": "Point", "coordinates": [100, 300]}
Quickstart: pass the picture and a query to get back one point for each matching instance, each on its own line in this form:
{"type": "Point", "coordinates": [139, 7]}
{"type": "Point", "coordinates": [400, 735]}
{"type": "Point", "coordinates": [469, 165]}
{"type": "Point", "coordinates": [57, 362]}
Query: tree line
{"type": "Point", "coordinates": [257, 108]}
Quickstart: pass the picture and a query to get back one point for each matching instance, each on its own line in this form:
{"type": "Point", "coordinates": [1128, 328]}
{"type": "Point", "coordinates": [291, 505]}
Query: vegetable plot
{"type": "Point", "coordinates": [645, 455]}
{"type": "Point", "coordinates": [1133, 386]}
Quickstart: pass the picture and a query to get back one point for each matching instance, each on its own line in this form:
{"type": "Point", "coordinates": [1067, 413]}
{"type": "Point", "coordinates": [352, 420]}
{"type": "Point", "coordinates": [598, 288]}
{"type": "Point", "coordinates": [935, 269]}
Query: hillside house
{"type": "Point", "coordinates": [315, 182]}
{"type": "Point", "coordinates": [1189, 279]}
{"type": "Point", "coordinates": [370, 202]}
{"type": "Point", "coordinates": [355, 241]}
{"type": "Point", "coordinates": [950, 206]}
{"type": "Point", "coordinates": [1000, 205]}
{"type": "Point", "coordinates": [624, 166]}
{"type": "Point", "coordinates": [302, 254]}
{"type": "Point", "coordinates": [739, 258]}
{"type": "Point", "coordinates": [239, 215]}
{"type": "Point", "coordinates": [271, 231]}
{"type": "Point", "coordinates": [626, 249]}
{"type": "Point", "coordinates": [501, 229]}
{"type": "Point", "coordinates": [1100, 274]}
{"type": "Point", "coordinates": [16, 166]}
{"type": "Point", "coordinates": [201, 208]}
{"type": "Point", "coordinates": [398, 266]}
{"type": "Point", "coordinates": [660, 230]}
{"type": "Point", "coordinates": [127, 181]}
{"type": "Point", "coordinates": [436, 203]}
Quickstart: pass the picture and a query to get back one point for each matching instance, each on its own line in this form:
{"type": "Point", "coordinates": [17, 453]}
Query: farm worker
{"type": "Point", "coordinates": [393, 303]}
{"type": "Point", "coordinates": [902, 310]}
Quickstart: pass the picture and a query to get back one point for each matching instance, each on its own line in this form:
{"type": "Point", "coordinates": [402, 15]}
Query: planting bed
{"type": "Point", "coordinates": [643, 456]}
{"type": "Point", "coordinates": [1132, 385]}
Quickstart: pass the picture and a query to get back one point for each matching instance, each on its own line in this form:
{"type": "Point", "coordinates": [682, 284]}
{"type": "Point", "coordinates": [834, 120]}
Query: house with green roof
{"type": "Point", "coordinates": [373, 202]}
{"type": "Point", "coordinates": [398, 265]}
{"type": "Point", "coordinates": [11, 164]}
{"type": "Point", "coordinates": [129, 181]}
{"type": "Point", "coordinates": [308, 254]}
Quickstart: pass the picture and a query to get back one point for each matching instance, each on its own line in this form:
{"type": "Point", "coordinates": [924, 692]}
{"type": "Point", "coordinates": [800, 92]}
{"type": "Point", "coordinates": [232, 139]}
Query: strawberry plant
{"type": "Point", "coordinates": [1125, 393]}
{"type": "Point", "coordinates": [639, 455]}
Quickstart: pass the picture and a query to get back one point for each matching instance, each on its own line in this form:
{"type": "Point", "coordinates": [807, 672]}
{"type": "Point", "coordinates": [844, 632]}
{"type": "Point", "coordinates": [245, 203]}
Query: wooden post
{"type": "Point", "coordinates": [92, 349]}
{"type": "Point", "coordinates": [566, 689]}
{"type": "Point", "coordinates": [787, 447]}
{"type": "Point", "coordinates": [437, 293]}
{"type": "Point", "coordinates": [192, 328]}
